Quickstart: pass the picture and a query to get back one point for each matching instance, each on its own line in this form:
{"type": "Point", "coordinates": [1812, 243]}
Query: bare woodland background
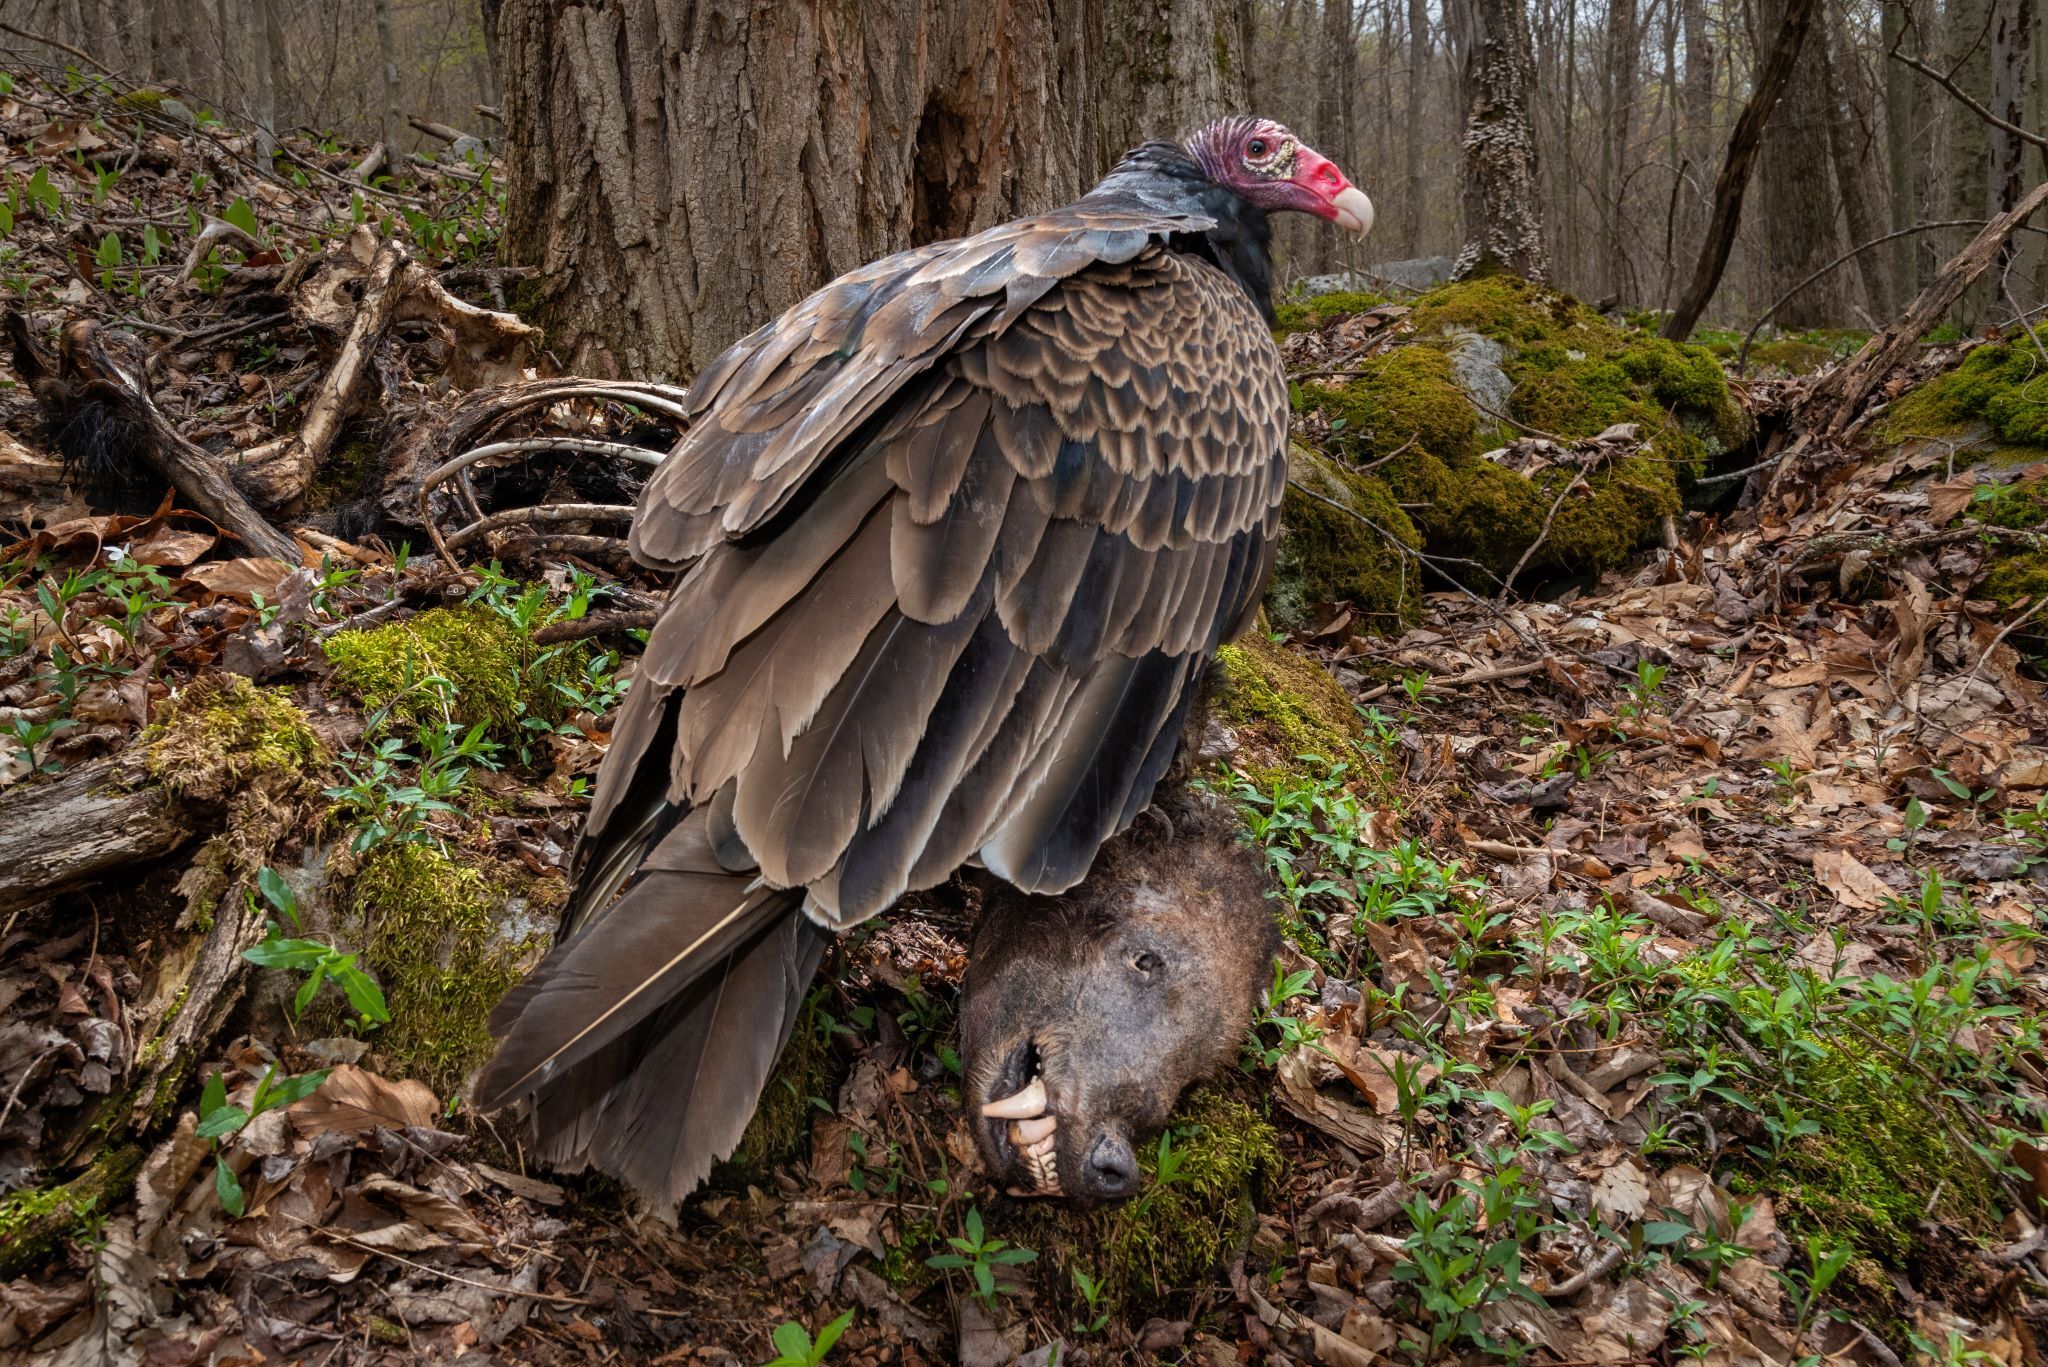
{"type": "Point", "coordinates": [966, 120]}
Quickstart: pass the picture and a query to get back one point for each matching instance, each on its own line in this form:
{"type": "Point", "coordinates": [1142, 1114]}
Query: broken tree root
{"type": "Point", "coordinates": [482, 347]}
{"type": "Point", "coordinates": [83, 378]}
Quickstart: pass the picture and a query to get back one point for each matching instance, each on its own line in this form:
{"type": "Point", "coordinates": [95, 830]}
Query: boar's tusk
{"type": "Point", "coordinates": [1022, 1106]}
{"type": "Point", "coordinates": [1031, 1131]}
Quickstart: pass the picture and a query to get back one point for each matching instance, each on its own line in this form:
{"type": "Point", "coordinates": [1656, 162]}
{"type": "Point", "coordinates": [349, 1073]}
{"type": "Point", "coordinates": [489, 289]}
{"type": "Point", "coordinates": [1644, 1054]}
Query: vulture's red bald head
{"type": "Point", "coordinates": [1269, 166]}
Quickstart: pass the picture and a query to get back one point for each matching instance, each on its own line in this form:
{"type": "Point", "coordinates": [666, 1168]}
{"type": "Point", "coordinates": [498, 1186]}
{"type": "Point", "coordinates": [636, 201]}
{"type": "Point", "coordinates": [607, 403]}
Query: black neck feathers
{"type": "Point", "coordinates": [1162, 176]}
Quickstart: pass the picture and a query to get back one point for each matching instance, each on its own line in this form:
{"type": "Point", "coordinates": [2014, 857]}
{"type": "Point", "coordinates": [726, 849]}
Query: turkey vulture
{"type": "Point", "coordinates": [956, 537]}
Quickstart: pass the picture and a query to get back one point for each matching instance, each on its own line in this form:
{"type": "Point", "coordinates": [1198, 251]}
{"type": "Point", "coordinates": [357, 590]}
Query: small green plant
{"type": "Point", "coordinates": [218, 1120]}
{"type": "Point", "coordinates": [321, 963]}
{"type": "Point", "coordinates": [1293, 1031]}
{"type": "Point", "coordinates": [980, 1257]}
{"type": "Point", "coordinates": [1095, 1316]}
{"type": "Point", "coordinates": [795, 1347]}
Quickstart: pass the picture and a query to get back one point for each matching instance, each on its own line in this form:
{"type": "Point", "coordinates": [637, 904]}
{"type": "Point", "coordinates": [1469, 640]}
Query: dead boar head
{"type": "Point", "coordinates": [1085, 1016]}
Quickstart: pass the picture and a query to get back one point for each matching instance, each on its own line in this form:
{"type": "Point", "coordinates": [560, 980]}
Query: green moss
{"type": "Point", "coordinates": [145, 100]}
{"type": "Point", "coordinates": [1408, 397]}
{"type": "Point", "coordinates": [2021, 505]}
{"type": "Point", "coordinates": [1178, 1234]}
{"type": "Point", "coordinates": [781, 1126]}
{"type": "Point", "coordinates": [224, 735]}
{"type": "Point", "coordinates": [445, 939]}
{"type": "Point", "coordinates": [1571, 374]}
{"type": "Point", "coordinates": [1328, 553]}
{"type": "Point", "coordinates": [494, 672]}
{"type": "Point", "coordinates": [2003, 385]}
{"type": "Point", "coordinates": [1313, 311]}
{"type": "Point", "coordinates": [1282, 705]}
{"type": "Point", "coordinates": [35, 1223]}
{"type": "Point", "coordinates": [1881, 1157]}
{"type": "Point", "coordinates": [343, 475]}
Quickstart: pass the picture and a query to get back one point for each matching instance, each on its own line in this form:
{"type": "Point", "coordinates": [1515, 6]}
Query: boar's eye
{"type": "Point", "coordinates": [1146, 962]}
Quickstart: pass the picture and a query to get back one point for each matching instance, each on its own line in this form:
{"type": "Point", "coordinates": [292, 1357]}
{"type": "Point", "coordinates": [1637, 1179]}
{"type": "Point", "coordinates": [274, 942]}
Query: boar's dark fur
{"type": "Point", "coordinates": [1118, 994]}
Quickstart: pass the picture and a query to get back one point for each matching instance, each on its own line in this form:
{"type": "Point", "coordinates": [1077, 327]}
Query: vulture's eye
{"type": "Point", "coordinates": [1146, 962]}
{"type": "Point", "coordinates": [1256, 147]}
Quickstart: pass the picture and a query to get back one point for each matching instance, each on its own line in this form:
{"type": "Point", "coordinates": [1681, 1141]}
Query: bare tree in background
{"type": "Point", "coordinates": [1798, 190]}
{"type": "Point", "coordinates": [391, 117]}
{"type": "Point", "coordinates": [1503, 225]}
{"type": "Point", "coordinates": [1795, 21]}
{"type": "Point", "coordinates": [678, 184]}
{"type": "Point", "coordinates": [1337, 77]}
{"type": "Point", "coordinates": [1901, 175]}
{"type": "Point", "coordinates": [1414, 134]}
{"type": "Point", "coordinates": [1853, 152]}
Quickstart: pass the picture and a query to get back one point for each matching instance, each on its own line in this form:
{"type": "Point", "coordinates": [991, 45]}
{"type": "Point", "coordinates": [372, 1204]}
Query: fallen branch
{"type": "Point", "coordinates": [82, 373]}
{"type": "Point", "coordinates": [81, 826]}
{"type": "Point", "coordinates": [598, 624]}
{"type": "Point", "coordinates": [1848, 389]}
{"type": "Point", "coordinates": [284, 468]}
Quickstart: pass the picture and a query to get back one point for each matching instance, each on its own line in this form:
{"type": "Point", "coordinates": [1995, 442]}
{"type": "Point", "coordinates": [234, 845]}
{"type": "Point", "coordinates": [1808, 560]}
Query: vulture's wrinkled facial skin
{"type": "Point", "coordinates": [1086, 1015]}
{"type": "Point", "coordinates": [1265, 163]}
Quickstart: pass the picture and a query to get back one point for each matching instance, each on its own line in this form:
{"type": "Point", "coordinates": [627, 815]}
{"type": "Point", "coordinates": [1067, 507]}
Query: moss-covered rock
{"type": "Point", "coordinates": [1312, 311]}
{"type": "Point", "coordinates": [2001, 385]}
{"type": "Point", "coordinates": [1418, 424]}
{"type": "Point", "coordinates": [445, 938]}
{"type": "Point", "coordinates": [1282, 705]}
{"type": "Point", "coordinates": [223, 735]}
{"type": "Point", "coordinates": [1341, 530]}
{"type": "Point", "coordinates": [466, 665]}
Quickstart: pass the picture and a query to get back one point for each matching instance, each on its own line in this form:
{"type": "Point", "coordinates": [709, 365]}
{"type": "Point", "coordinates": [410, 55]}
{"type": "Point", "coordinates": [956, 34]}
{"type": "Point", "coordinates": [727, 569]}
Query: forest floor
{"type": "Point", "coordinates": [1663, 977]}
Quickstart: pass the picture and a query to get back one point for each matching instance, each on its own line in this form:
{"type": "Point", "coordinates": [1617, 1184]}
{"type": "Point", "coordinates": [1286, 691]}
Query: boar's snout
{"type": "Point", "coordinates": [1112, 1170]}
{"type": "Point", "coordinates": [1086, 1015]}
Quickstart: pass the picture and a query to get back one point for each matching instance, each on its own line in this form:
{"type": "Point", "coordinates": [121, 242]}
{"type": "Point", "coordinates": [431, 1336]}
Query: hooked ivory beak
{"type": "Point", "coordinates": [1352, 211]}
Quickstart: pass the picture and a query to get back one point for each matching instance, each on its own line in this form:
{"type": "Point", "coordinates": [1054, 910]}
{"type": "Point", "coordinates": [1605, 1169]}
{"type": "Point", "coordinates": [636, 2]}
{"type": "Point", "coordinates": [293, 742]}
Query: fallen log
{"type": "Point", "coordinates": [81, 826]}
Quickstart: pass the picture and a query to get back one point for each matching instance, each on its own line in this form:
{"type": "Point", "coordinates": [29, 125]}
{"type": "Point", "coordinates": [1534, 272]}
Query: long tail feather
{"type": "Point", "coordinates": [682, 916]}
{"type": "Point", "coordinates": [665, 1102]}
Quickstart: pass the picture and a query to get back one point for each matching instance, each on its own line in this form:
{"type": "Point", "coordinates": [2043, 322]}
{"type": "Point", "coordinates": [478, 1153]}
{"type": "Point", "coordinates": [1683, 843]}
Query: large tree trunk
{"type": "Point", "coordinates": [1418, 69]}
{"type": "Point", "coordinates": [1698, 102]}
{"type": "Point", "coordinates": [1799, 197]}
{"type": "Point", "coordinates": [1732, 184]}
{"type": "Point", "coordinates": [1898, 150]}
{"type": "Point", "coordinates": [680, 174]}
{"type": "Point", "coordinates": [1503, 228]}
{"type": "Point", "coordinates": [1854, 153]}
{"type": "Point", "coordinates": [2012, 23]}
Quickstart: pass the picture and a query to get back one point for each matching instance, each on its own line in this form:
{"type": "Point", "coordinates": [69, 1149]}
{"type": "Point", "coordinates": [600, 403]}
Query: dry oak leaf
{"type": "Point", "coordinates": [354, 1100]}
{"type": "Point", "coordinates": [1850, 880]}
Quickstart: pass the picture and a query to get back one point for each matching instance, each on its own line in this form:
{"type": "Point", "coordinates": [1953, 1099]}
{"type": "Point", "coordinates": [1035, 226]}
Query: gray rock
{"type": "Point", "coordinates": [1476, 365]}
{"type": "Point", "coordinates": [1417, 273]}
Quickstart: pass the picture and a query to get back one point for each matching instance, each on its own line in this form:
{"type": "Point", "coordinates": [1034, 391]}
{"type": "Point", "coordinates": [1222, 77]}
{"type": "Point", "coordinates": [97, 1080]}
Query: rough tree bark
{"type": "Point", "coordinates": [1798, 194]}
{"type": "Point", "coordinates": [2012, 36]}
{"type": "Point", "coordinates": [1795, 20]}
{"type": "Point", "coordinates": [1503, 226]}
{"type": "Point", "coordinates": [1418, 66]}
{"type": "Point", "coordinates": [1898, 150]}
{"type": "Point", "coordinates": [1338, 59]}
{"type": "Point", "coordinates": [1853, 150]}
{"type": "Point", "coordinates": [682, 173]}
